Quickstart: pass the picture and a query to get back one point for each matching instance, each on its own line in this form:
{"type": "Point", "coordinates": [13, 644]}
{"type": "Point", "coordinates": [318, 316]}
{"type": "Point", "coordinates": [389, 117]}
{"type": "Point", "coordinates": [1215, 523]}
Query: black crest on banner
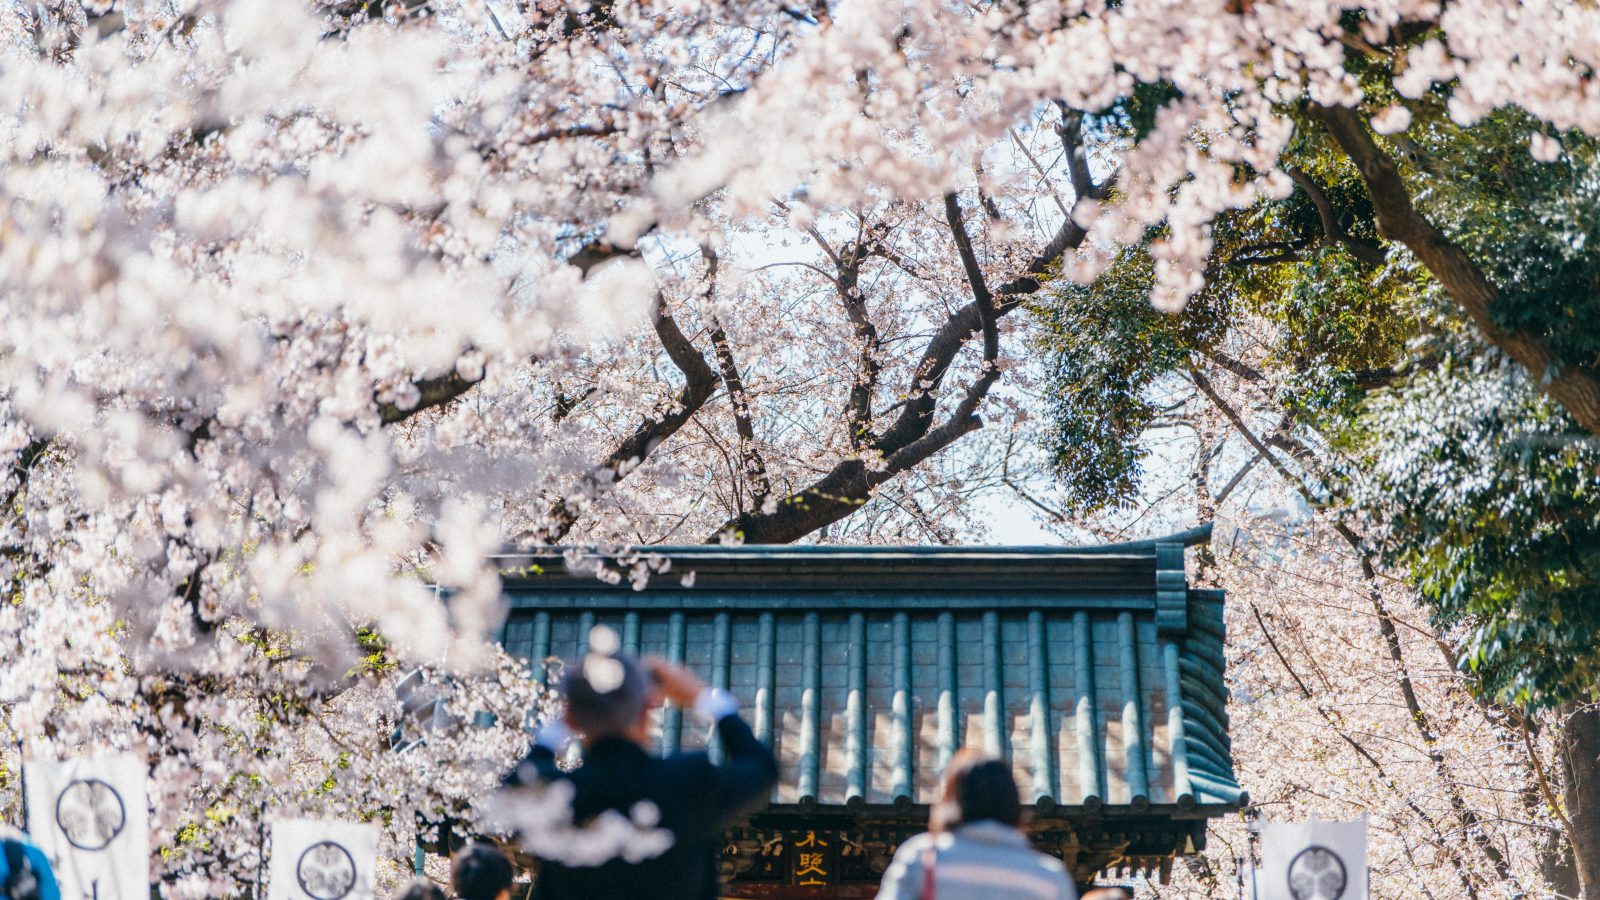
{"type": "Point", "coordinates": [1317, 873]}
{"type": "Point", "coordinates": [326, 871]}
{"type": "Point", "coordinates": [90, 813]}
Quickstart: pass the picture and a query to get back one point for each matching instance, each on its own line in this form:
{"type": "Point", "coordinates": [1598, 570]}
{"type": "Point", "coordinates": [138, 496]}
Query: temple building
{"type": "Point", "coordinates": [1096, 671]}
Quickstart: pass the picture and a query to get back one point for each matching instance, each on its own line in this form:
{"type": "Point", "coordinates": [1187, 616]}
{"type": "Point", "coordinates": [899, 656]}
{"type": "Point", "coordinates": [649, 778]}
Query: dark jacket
{"type": "Point", "coordinates": [15, 848]}
{"type": "Point", "coordinates": [697, 800]}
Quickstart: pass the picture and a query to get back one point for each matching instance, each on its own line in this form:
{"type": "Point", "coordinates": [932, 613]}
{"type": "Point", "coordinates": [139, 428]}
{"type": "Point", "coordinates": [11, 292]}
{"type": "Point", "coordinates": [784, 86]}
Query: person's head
{"type": "Point", "coordinates": [608, 691]}
{"type": "Point", "coordinates": [480, 872]}
{"type": "Point", "coordinates": [421, 889]}
{"type": "Point", "coordinates": [1115, 892]}
{"type": "Point", "coordinates": [976, 788]}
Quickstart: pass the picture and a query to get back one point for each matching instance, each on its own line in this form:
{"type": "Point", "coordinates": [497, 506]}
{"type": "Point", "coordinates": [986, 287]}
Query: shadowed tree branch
{"type": "Point", "coordinates": [1363, 250]}
{"type": "Point", "coordinates": [435, 392]}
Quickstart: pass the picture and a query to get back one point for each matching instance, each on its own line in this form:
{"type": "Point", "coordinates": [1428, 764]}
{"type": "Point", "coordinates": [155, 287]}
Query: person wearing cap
{"type": "Point", "coordinates": [608, 697]}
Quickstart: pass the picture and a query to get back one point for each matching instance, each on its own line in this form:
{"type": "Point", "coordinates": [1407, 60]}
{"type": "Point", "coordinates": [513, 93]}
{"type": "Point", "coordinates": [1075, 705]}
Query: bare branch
{"type": "Point", "coordinates": [1260, 446]}
{"type": "Point", "coordinates": [1237, 366]}
{"type": "Point", "coordinates": [858, 405]}
{"type": "Point", "coordinates": [1037, 167]}
{"type": "Point", "coordinates": [1236, 480]}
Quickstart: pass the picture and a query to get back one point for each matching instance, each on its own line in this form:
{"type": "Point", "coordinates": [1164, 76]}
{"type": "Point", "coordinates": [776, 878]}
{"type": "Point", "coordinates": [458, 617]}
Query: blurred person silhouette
{"type": "Point", "coordinates": [421, 889]}
{"type": "Point", "coordinates": [974, 848]}
{"type": "Point", "coordinates": [608, 697]}
{"type": "Point", "coordinates": [24, 870]}
{"type": "Point", "coordinates": [480, 872]}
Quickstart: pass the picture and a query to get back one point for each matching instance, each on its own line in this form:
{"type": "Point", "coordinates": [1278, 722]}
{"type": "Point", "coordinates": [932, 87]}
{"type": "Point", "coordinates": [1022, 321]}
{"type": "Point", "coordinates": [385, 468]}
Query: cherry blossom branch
{"type": "Point", "coordinates": [752, 467]}
{"type": "Point", "coordinates": [913, 438]}
{"type": "Point", "coordinates": [1338, 728]}
{"type": "Point", "coordinates": [441, 389]}
{"type": "Point", "coordinates": [700, 381]}
{"type": "Point", "coordinates": [1419, 717]}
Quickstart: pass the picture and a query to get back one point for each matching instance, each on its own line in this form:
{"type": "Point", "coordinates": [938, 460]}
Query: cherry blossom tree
{"type": "Point", "coordinates": [309, 309]}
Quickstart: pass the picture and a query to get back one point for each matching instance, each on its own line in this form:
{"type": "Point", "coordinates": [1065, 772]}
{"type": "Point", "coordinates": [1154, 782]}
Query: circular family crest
{"type": "Point", "coordinates": [1317, 873]}
{"type": "Point", "coordinates": [90, 813]}
{"type": "Point", "coordinates": [326, 871]}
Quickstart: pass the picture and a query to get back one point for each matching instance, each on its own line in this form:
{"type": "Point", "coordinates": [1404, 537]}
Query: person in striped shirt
{"type": "Point", "coordinates": [974, 848]}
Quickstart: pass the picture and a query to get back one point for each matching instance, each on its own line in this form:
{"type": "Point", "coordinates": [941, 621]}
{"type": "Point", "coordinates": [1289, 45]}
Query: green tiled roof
{"type": "Point", "coordinates": [1096, 670]}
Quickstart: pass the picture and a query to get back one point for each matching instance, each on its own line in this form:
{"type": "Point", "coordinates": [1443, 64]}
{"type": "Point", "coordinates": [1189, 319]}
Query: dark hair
{"type": "Point", "coordinates": [421, 889]}
{"type": "Point", "coordinates": [976, 788]}
{"type": "Point", "coordinates": [479, 872]}
{"type": "Point", "coordinates": [606, 693]}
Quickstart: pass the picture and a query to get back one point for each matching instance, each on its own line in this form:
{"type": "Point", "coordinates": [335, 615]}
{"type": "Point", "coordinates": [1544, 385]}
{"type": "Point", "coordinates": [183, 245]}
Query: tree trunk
{"type": "Point", "coordinates": [1575, 384]}
{"type": "Point", "coordinates": [1580, 764]}
{"type": "Point", "coordinates": [1556, 865]}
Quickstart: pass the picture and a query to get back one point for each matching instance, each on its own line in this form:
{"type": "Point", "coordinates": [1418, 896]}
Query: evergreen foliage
{"type": "Point", "coordinates": [1488, 491]}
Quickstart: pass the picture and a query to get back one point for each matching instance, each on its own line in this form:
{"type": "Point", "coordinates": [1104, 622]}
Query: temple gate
{"type": "Point", "coordinates": [1096, 671]}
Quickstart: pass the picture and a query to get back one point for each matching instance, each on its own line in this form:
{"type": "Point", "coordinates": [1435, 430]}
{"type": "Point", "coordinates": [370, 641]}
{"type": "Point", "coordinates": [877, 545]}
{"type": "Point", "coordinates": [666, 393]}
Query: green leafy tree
{"type": "Point", "coordinates": [1400, 400]}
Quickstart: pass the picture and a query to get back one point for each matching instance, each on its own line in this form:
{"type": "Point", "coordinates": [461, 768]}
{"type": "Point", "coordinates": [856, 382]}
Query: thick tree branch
{"type": "Point", "coordinates": [1071, 132]}
{"type": "Point", "coordinates": [858, 405]}
{"type": "Point", "coordinates": [969, 259]}
{"type": "Point", "coordinates": [913, 438]}
{"type": "Point", "coordinates": [699, 383]}
{"type": "Point", "coordinates": [984, 301]}
{"type": "Point", "coordinates": [1363, 250]}
{"type": "Point", "coordinates": [1575, 386]}
{"type": "Point", "coordinates": [436, 391]}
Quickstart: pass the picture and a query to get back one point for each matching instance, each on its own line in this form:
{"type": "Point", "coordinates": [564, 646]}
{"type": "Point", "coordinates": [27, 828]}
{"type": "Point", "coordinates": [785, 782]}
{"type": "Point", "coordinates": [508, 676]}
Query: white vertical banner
{"type": "Point", "coordinates": [1313, 861]}
{"type": "Point", "coordinates": [91, 817]}
{"type": "Point", "coordinates": [313, 859]}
